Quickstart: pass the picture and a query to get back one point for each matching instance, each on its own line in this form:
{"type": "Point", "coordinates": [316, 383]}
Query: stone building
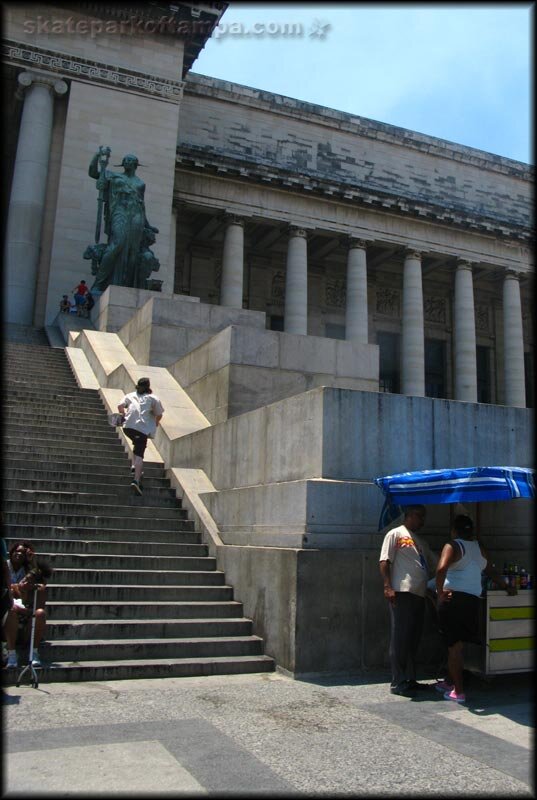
{"type": "Point", "coordinates": [377, 259]}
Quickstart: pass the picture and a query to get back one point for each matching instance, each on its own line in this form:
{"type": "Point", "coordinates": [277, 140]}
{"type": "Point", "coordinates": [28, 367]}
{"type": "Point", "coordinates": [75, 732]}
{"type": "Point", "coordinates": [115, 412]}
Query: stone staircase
{"type": "Point", "coordinates": [133, 593]}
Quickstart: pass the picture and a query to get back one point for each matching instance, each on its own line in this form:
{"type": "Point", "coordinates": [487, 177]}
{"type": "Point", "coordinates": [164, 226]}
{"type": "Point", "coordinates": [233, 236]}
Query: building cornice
{"type": "Point", "coordinates": [20, 54]}
{"type": "Point", "coordinates": [205, 86]}
{"type": "Point", "coordinates": [199, 160]}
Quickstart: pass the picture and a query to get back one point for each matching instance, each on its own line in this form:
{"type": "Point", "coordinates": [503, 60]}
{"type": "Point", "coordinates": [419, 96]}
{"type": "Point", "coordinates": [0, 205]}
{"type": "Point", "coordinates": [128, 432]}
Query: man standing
{"type": "Point", "coordinates": [406, 562]}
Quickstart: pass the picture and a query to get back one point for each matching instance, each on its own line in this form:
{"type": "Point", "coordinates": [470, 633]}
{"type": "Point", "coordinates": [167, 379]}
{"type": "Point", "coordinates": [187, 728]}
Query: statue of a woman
{"type": "Point", "coordinates": [125, 222]}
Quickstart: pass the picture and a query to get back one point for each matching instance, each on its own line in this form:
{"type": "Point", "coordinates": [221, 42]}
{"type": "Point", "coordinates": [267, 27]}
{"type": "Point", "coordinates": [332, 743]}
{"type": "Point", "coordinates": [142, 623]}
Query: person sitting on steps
{"type": "Point", "coordinates": [17, 627]}
{"type": "Point", "coordinates": [143, 412]}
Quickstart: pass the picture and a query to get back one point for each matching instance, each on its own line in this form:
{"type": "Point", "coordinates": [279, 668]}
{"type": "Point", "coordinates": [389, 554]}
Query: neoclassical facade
{"type": "Point", "coordinates": [332, 224]}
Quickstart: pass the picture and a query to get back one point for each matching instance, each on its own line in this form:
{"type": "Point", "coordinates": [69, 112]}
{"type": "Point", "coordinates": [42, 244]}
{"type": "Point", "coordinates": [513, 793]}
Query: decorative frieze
{"type": "Point", "coordinates": [388, 301]}
{"type": "Point", "coordinates": [335, 293]}
{"type": "Point", "coordinates": [277, 292]}
{"type": "Point", "coordinates": [91, 71]}
{"type": "Point", "coordinates": [434, 309]}
{"type": "Point", "coordinates": [482, 319]}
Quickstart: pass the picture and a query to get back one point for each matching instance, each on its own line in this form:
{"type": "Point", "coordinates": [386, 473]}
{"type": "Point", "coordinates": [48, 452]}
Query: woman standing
{"type": "Point", "coordinates": [458, 586]}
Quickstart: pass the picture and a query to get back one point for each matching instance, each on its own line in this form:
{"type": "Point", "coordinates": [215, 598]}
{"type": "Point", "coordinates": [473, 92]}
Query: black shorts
{"type": "Point", "coordinates": [138, 439]}
{"type": "Point", "coordinates": [458, 618]}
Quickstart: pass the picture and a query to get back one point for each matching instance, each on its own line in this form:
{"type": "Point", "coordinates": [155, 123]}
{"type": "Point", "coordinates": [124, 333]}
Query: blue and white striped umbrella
{"type": "Point", "coordinates": [466, 484]}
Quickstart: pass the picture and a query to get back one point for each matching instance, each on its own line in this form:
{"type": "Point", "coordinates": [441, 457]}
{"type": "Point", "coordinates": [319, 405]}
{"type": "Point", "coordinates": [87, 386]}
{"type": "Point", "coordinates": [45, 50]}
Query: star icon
{"type": "Point", "coordinates": [319, 29]}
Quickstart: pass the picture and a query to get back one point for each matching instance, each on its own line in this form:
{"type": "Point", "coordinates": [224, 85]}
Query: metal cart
{"type": "Point", "coordinates": [506, 624]}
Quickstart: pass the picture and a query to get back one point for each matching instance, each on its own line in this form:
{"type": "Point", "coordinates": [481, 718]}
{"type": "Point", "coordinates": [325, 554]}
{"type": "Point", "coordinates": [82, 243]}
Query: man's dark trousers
{"type": "Point", "coordinates": [407, 618]}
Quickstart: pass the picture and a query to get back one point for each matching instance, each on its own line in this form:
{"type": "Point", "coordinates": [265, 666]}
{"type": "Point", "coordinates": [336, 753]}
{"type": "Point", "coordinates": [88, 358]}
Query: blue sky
{"type": "Point", "coordinates": [460, 72]}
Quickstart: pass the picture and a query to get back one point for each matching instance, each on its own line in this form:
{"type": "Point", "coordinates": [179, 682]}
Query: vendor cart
{"type": "Point", "coordinates": [506, 625]}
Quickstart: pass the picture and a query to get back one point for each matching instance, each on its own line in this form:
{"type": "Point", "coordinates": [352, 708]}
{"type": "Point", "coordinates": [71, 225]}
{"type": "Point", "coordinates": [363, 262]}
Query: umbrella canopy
{"type": "Point", "coordinates": [465, 484]}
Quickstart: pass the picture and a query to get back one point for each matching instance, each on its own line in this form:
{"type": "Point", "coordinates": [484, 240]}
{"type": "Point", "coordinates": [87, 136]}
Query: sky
{"type": "Point", "coordinates": [459, 72]}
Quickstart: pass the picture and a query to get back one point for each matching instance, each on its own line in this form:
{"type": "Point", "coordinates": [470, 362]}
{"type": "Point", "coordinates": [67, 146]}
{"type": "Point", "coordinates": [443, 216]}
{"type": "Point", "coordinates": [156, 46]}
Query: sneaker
{"type": "Point", "coordinates": [452, 695]}
{"type": "Point", "coordinates": [403, 690]}
{"type": "Point", "coordinates": [12, 661]}
{"type": "Point", "coordinates": [36, 661]}
{"type": "Point", "coordinates": [136, 486]}
{"type": "Point", "coordinates": [415, 686]}
{"type": "Point", "coordinates": [443, 686]}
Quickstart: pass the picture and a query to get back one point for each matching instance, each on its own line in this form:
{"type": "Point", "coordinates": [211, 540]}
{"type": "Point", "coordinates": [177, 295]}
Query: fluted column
{"type": "Point", "coordinates": [356, 307]}
{"type": "Point", "coordinates": [296, 283]}
{"type": "Point", "coordinates": [513, 344]}
{"type": "Point", "coordinates": [464, 335]}
{"type": "Point", "coordinates": [412, 343]}
{"type": "Point", "coordinates": [233, 263]}
{"type": "Point", "coordinates": [28, 189]}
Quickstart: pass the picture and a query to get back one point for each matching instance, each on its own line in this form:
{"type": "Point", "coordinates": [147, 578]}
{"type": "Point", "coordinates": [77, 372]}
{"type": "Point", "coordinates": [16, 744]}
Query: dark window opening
{"type": "Point", "coordinates": [276, 323]}
{"type": "Point", "coordinates": [333, 331]}
{"type": "Point", "coordinates": [529, 377]}
{"type": "Point", "coordinates": [435, 368]}
{"type": "Point", "coordinates": [389, 367]}
{"type": "Point", "coordinates": [483, 374]}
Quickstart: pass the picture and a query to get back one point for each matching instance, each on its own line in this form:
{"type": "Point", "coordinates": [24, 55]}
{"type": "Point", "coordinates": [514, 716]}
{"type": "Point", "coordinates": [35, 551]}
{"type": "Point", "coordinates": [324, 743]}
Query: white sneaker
{"type": "Point", "coordinates": [12, 661]}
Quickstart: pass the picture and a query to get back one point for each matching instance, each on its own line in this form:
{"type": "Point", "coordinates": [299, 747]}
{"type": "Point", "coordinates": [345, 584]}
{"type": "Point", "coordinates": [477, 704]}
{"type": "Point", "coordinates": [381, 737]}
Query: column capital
{"type": "Point", "coordinates": [296, 230]}
{"type": "Point", "coordinates": [411, 252]}
{"type": "Point", "coordinates": [509, 272]}
{"type": "Point", "coordinates": [463, 263]}
{"type": "Point", "coordinates": [28, 77]}
{"type": "Point", "coordinates": [230, 218]}
{"type": "Point", "coordinates": [355, 242]}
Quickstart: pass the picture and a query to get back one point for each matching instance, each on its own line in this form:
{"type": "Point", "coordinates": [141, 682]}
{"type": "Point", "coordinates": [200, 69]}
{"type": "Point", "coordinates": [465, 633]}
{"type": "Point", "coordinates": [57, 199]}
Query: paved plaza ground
{"type": "Point", "coordinates": [266, 734]}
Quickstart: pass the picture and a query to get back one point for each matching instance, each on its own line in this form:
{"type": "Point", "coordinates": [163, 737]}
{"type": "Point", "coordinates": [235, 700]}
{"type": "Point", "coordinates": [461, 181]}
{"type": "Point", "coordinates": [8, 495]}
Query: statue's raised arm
{"type": "Point", "coordinates": [100, 158]}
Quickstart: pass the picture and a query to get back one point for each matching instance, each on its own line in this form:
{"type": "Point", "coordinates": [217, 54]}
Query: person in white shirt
{"type": "Point", "coordinates": [143, 412]}
{"type": "Point", "coordinates": [458, 587]}
{"type": "Point", "coordinates": [406, 562]}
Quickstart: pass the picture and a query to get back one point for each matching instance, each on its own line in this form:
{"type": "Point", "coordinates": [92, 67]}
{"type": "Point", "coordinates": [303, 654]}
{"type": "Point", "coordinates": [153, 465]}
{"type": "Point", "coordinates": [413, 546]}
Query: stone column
{"type": "Point", "coordinates": [232, 263]}
{"type": "Point", "coordinates": [513, 344]}
{"type": "Point", "coordinates": [28, 189]}
{"type": "Point", "coordinates": [356, 323]}
{"type": "Point", "coordinates": [296, 283]}
{"type": "Point", "coordinates": [412, 343]}
{"type": "Point", "coordinates": [464, 335]}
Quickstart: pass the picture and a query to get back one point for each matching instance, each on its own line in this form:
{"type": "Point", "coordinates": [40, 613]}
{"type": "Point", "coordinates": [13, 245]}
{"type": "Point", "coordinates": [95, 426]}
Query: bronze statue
{"type": "Point", "coordinates": [126, 260]}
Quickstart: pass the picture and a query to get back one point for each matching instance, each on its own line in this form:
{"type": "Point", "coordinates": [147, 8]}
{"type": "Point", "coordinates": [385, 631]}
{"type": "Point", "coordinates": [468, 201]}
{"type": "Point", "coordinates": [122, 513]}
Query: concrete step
{"type": "Point", "coordinates": [158, 647]}
{"type": "Point", "coordinates": [155, 488]}
{"type": "Point", "coordinates": [61, 471]}
{"type": "Point", "coordinates": [83, 421]}
{"type": "Point", "coordinates": [105, 594]}
{"type": "Point", "coordinates": [23, 336]}
{"type": "Point", "coordinates": [136, 561]}
{"type": "Point", "coordinates": [150, 577]}
{"type": "Point", "coordinates": [62, 521]}
{"type": "Point", "coordinates": [143, 609]}
{"type": "Point", "coordinates": [30, 446]}
{"type": "Point", "coordinates": [182, 533]}
{"type": "Point", "coordinates": [109, 670]}
{"type": "Point", "coordinates": [113, 630]}
{"type": "Point", "coordinates": [113, 547]}
{"type": "Point", "coordinates": [43, 436]}
{"type": "Point", "coordinates": [137, 509]}
{"type": "Point", "coordinates": [64, 396]}
{"type": "Point", "coordinates": [92, 462]}
{"type": "Point", "coordinates": [123, 495]}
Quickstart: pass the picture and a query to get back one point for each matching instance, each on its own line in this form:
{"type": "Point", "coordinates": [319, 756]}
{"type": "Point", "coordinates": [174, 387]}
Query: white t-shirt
{"type": "Point", "coordinates": [411, 560]}
{"type": "Point", "coordinates": [141, 411]}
